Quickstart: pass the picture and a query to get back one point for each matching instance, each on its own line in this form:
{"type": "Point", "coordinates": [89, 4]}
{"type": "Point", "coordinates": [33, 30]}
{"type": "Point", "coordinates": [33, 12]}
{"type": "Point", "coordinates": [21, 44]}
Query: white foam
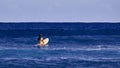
{"type": "Point", "coordinates": [64, 48]}
{"type": "Point", "coordinates": [84, 49]}
{"type": "Point", "coordinates": [15, 48]}
{"type": "Point", "coordinates": [74, 58]}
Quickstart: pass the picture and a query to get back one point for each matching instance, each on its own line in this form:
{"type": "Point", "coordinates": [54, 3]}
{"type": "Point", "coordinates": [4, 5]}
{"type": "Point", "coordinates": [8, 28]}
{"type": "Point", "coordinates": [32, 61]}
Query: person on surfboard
{"type": "Point", "coordinates": [40, 40]}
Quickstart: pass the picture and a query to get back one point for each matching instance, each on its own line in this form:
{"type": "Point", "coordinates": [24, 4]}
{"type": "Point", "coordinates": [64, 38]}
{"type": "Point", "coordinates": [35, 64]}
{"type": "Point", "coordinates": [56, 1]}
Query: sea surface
{"type": "Point", "coordinates": [71, 45]}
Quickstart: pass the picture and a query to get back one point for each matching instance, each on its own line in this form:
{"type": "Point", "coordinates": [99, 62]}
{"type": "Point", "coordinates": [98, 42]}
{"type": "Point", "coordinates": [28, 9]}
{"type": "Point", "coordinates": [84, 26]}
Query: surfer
{"type": "Point", "coordinates": [40, 40]}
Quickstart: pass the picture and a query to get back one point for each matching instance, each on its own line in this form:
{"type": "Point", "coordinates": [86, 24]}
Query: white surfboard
{"type": "Point", "coordinates": [46, 40]}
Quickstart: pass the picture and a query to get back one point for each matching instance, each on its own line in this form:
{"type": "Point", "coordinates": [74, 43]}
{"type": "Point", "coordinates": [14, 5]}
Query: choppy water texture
{"type": "Point", "coordinates": [72, 45]}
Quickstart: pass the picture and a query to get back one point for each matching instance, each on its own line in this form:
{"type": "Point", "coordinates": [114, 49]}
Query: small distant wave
{"type": "Point", "coordinates": [83, 49]}
{"type": "Point", "coordinates": [63, 58]}
{"type": "Point", "coordinates": [59, 62]}
{"type": "Point", "coordinates": [15, 48]}
{"type": "Point", "coordinates": [64, 48]}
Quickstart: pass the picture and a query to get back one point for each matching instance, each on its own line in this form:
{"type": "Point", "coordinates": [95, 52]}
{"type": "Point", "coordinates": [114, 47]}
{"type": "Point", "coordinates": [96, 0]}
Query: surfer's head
{"type": "Point", "coordinates": [39, 38]}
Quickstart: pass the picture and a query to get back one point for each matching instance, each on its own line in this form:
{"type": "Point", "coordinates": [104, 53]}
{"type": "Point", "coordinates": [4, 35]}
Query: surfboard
{"type": "Point", "coordinates": [46, 40]}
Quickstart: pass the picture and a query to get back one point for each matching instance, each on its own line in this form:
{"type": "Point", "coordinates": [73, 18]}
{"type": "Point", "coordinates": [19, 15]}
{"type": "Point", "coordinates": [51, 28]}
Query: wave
{"type": "Point", "coordinates": [64, 48]}
{"type": "Point", "coordinates": [59, 62]}
{"type": "Point", "coordinates": [63, 59]}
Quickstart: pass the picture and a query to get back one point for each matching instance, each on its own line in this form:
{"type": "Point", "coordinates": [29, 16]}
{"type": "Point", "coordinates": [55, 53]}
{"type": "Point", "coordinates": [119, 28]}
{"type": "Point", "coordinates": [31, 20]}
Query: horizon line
{"type": "Point", "coordinates": [58, 22]}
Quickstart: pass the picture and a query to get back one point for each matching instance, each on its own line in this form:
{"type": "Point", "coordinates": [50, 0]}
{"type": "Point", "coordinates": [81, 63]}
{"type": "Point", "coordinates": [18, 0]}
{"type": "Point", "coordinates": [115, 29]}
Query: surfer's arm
{"type": "Point", "coordinates": [42, 41]}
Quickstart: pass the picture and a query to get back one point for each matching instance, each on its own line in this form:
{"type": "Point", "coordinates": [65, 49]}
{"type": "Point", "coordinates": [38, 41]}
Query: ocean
{"type": "Point", "coordinates": [71, 45]}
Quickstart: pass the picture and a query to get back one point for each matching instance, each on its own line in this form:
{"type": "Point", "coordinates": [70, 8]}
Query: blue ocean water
{"type": "Point", "coordinates": [71, 45]}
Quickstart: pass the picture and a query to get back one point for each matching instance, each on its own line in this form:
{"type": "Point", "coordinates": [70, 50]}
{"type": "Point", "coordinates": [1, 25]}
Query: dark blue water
{"type": "Point", "coordinates": [71, 45]}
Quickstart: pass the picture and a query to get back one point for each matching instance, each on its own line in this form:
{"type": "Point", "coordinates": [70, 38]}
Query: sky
{"type": "Point", "coordinates": [59, 10]}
